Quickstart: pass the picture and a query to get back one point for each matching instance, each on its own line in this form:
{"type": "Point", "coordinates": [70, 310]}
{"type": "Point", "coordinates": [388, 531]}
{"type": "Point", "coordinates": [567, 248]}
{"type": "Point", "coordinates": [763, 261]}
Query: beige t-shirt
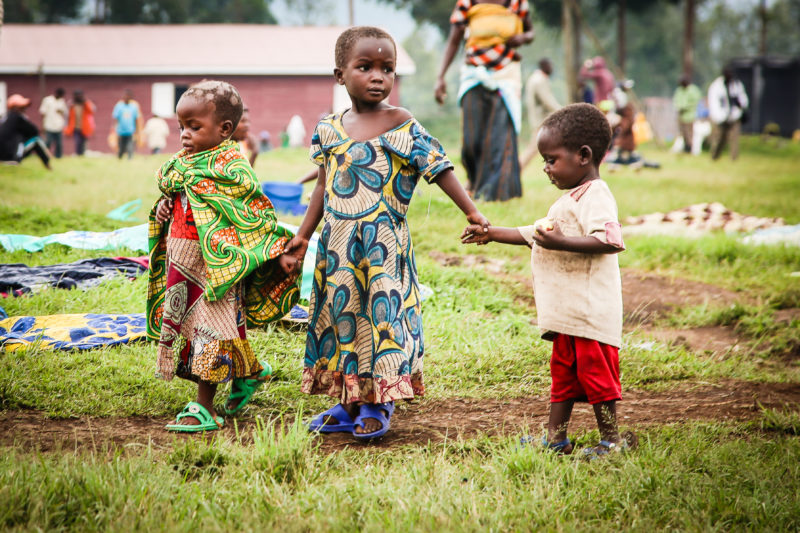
{"type": "Point", "coordinates": [580, 294]}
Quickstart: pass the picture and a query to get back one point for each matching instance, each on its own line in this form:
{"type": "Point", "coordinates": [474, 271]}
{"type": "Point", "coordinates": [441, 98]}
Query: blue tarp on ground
{"type": "Point", "coordinates": [134, 238]}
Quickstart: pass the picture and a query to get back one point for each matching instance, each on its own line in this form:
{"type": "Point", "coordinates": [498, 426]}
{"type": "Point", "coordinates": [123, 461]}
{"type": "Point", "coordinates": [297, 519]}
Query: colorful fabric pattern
{"type": "Point", "coordinates": [365, 339]}
{"type": "Point", "coordinates": [201, 340]}
{"type": "Point", "coordinates": [490, 26]}
{"type": "Point", "coordinates": [71, 332]}
{"type": "Point", "coordinates": [238, 231]}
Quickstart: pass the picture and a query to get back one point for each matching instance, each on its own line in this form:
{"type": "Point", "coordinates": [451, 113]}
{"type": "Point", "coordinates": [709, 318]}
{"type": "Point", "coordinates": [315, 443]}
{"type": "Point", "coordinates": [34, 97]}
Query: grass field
{"type": "Point", "coordinates": [715, 474]}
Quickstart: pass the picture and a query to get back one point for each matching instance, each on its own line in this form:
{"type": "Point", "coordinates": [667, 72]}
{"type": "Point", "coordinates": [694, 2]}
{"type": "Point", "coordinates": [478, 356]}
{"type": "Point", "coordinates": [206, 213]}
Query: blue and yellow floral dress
{"type": "Point", "coordinates": [365, 328]}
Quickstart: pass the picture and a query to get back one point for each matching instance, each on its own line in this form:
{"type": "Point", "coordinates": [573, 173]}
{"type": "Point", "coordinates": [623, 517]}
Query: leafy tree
{"type": "Point", "coordinates": [40, 11]}
{"type": "Point", "coordinates": [182, 11]}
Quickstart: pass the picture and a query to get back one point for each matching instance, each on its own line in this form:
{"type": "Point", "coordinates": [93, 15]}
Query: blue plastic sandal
{"type": "Point", "coordinates": [376, 411]}
{"type": "Point", "coordinates": [605, 448]}
{"type": "Point", "coordinates": [557, 447]}
{"type": "Point", "coordinates": [345, 423]}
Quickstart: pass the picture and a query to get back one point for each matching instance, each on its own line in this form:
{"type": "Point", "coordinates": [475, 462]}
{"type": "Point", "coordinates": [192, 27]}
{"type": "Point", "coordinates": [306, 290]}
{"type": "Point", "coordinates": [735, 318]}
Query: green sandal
{"type": "Point", "coordinates": [195, 410]}
{"type": "Point", "coordinates": [242, 389]}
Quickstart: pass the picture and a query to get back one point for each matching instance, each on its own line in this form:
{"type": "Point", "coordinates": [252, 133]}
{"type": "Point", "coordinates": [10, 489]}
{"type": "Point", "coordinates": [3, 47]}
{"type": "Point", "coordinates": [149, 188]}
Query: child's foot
{"type": "Point", "coordinates": [196, 417]}
{"type": "Point", "coordinates": [627, 441]}
{"type": "Point", "coordinates": [373, 420]}
{"type": "Point", "coordinates": [338, 418]}
{"type": "Point", "coordinates": [242, 389]}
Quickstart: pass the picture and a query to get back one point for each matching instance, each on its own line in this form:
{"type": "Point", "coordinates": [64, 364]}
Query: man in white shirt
{"type": "Point", "coordinates": [727, 103]}
{"type": "Point", "coordinates": [54, 117]}
{"type": "Point", "coordinates": [540, 102]}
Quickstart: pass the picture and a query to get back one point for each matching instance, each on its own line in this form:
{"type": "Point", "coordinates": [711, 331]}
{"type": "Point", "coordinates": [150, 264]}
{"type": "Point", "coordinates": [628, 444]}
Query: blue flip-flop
{"type": "Point", "coordinates": [345, 423]}
{"type": "Point", "coordinates": [374, 410]}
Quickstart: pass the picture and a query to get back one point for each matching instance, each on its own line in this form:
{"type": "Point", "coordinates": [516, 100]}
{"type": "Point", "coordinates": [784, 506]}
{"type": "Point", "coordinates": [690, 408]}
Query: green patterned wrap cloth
{"type": "Point", "coordinates": [239, 235]}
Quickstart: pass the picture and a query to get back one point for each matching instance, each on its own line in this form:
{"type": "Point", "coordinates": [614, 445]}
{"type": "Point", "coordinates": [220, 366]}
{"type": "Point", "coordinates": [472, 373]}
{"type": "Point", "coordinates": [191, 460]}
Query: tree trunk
{"type": "Point", "coordinates": [570, 57]}
{"type": "Point", "coordinates": [688, 37]}
{"type": "Point", "coordinates": [621, 46]}
{"type": "Point", "coordinates": [762, 41]}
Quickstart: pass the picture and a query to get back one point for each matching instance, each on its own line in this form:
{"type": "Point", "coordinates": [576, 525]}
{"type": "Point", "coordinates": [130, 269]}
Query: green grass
{"type": "Point", "coordinates": [480, 343]}
{"type": "Point", "coordinates": [701, 477]}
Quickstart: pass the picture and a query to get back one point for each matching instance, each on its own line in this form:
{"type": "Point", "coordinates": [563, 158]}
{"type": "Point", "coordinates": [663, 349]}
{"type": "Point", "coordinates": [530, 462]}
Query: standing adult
{"type": "Point", "coordinates": [489, 92]}
{"type": "Point", "coordinates": [126, 119]}
{"type": "Point", "coordinates": [685, 99]}
{"type": "Point", "coordinates": [727, 102]}
{"type": "Point", "coordinates": [540, 102]}
{"type": "Point", "coordinates": [80, 123]}
{"type": "Point", "coordinates": [155, 133]}
{"type": "Point", "coordinates": [54, 118]}
{"type": "Point", "coordinates": [19, 137]}
{"type": "Point", "coordinates": [595, 69]}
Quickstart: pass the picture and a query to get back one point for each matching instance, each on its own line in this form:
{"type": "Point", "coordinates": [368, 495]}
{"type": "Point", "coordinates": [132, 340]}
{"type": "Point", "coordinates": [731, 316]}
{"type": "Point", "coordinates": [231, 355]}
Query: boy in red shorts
{"type": "Point", "coordinates": [576, 275]}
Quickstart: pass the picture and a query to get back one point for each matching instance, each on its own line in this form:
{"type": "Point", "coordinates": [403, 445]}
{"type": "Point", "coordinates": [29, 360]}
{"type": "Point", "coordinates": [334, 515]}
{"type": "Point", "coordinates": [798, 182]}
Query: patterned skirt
{"type": "Point", "coordinates": [365, 341]}
{"type": "Point", "coordinates": [201, 340]}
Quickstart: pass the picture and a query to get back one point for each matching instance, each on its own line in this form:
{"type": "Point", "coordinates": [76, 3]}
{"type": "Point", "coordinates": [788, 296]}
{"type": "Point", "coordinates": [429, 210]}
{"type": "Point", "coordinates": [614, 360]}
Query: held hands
{"type": "Point", "coordinates": [474, 234]}
{"type": "Point", "coordinates": [477, 231]}
{"type": "Point", "coordinates": [293, 254]}
{"type": "Point", "coordinates": [164, 210]}
{"type": "Point", "coordinates": [289, 263]}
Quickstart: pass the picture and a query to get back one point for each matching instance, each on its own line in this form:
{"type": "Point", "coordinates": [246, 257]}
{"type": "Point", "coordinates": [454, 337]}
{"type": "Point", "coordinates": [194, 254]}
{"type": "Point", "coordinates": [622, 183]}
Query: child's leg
{"type": "Point", "coordinates": [205, 397]}
{"type": "Point", "coordinates": [560, 413]}
{"type": "Point", "coordinates": [606, 415]}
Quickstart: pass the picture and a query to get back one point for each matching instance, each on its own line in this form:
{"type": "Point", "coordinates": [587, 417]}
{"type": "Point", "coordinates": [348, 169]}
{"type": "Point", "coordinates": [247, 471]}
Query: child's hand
{"type": "Point", "coordinates": [164, 210]}
{"type": "Point", "coordinates": [289, 263]}
{"type": "Point", "coordinates": [551, 239]}
{"type": "Point", "coordinates": [477, 218]}
{"type": "Point", "coordinates": [474, 234]}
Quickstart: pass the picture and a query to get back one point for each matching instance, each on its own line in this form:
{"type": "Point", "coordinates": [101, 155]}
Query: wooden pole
{"type": "Point", "coordinates": [622, 51]}
{"type": "Point", "coordinates": [570, 57]}
{"type": "Point", "coordinates": [688, 37]}
{"type": "Point", "coordinates": [762, 40]}
{"type": "Point", "coordinates": [351, 13]}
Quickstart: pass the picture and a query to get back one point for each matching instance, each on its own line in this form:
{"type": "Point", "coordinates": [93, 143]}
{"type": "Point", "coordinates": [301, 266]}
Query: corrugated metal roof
{"type": "Point", "coordinates": [204, 49]}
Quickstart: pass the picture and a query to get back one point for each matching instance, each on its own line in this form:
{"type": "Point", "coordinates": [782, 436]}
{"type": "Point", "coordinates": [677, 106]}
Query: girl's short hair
{"type": "Point", "coordinates": [226, 99]}
{"type": "Point", "coordinates": [580, 124]}
{"type": "Point", "coordinates": [349, 37]}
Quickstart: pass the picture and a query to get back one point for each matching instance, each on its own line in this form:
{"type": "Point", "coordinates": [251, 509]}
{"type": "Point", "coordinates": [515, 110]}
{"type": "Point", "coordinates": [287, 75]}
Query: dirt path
{"type": "Point", "coordinates": [646, 297]}
{"type": "Point", "coordinates": [429, 421]}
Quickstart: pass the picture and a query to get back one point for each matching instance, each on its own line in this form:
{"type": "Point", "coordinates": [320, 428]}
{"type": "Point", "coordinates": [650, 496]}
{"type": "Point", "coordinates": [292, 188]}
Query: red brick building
{"type": "Point", "coordinates": [280, 71]}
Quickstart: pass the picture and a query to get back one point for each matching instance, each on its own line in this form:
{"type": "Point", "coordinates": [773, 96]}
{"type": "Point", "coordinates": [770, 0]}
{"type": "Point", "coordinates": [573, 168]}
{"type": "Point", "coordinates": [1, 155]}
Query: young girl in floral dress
{"type": "Point", "coordinates": [365, 344]}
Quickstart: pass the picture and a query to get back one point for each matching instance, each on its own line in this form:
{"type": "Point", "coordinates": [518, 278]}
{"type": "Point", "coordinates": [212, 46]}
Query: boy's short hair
{"type": "Point", "coordinates": [580, 124]}
{"type": "Point", "coordinates": [349, 37]}
{"type": "Point", "coordinates": [226, 99]}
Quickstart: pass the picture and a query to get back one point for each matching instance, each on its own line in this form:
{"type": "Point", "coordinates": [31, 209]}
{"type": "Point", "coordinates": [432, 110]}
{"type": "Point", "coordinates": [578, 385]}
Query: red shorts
{"type": "Point", "coordinates": [584, 369]}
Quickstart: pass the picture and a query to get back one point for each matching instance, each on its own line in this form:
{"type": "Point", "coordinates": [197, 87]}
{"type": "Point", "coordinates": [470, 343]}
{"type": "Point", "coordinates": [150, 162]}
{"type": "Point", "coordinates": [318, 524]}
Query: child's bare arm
{"type": "Point", "coordinates": [448, 182]}
{"type": "Point", "coordinates": [298, 245]}
{"type": "Point", "coordinates": [555, 240]}
{"type": "Point", "coordinates": [164, 210]}
{"type": "Point", "coordinates": [472, 234]}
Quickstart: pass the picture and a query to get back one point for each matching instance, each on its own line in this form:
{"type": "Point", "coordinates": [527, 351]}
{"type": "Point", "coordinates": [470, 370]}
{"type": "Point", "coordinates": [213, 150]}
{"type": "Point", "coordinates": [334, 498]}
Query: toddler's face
{"type": "Point", "coordinates": [200, 127]}
{"type": "Point", "coordinates": [369, 73]}
{"type": "Point", "coordinates": [562, 165]}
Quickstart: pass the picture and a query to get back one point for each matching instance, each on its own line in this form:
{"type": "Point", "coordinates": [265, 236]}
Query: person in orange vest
{"type": "Point", "coordinates": [81, 123]}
